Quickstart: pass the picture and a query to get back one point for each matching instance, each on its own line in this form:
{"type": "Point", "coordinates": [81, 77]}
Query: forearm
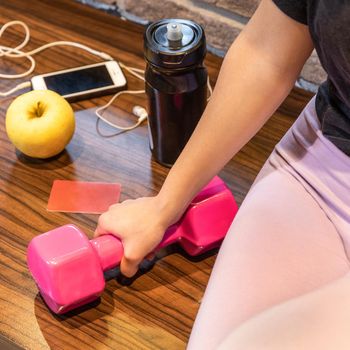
{"type": "Point", "coordinates": [253, 81]}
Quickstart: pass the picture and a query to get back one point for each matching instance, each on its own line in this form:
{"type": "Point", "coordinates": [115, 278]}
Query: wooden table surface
{"type": "Point", "coordinates": [157, 311]}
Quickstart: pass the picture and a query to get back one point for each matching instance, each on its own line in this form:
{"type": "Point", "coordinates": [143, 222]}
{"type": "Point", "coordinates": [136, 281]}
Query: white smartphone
{"type": "Point", "coordinates": [83, 82]}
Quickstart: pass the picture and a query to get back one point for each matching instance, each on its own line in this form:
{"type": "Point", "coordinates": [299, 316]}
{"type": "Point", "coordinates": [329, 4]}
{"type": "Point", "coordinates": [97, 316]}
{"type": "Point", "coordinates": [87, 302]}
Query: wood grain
{"type": "Point", "coordinates": [157, 311]}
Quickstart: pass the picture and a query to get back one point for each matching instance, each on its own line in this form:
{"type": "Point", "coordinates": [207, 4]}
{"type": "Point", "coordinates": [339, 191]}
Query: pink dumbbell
{"type": "Point", "coordinates": [68, 268]}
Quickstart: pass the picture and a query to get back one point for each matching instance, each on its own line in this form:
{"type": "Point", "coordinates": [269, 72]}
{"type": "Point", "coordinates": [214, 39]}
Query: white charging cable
{"type": "Point", "coordinates": [138, 111]}
{"type": "Point", "coordinates": [16, 52]}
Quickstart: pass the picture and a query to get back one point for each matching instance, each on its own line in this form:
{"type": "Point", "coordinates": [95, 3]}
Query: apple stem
{"type": "Point", "coordinates": [39, 111]}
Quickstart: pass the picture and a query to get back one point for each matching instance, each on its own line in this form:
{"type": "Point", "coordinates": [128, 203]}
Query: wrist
{"type": "Point", "coordinates": [170, 211]}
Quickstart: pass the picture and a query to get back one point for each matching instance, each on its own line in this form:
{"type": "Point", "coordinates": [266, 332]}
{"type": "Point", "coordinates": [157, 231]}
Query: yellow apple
{"type": "Point", "coordinates": [40, 123]}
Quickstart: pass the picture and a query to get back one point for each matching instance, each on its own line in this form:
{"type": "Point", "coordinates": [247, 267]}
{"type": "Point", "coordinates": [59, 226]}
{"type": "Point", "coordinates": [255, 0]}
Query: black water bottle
{"type": "Point", "coordinates": [176, 84]}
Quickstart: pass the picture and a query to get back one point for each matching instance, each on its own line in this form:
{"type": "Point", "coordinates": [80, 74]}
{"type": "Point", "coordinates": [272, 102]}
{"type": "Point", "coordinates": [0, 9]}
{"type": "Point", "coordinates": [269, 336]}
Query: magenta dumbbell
{"type": "Point", "coordinates": [68, 268]}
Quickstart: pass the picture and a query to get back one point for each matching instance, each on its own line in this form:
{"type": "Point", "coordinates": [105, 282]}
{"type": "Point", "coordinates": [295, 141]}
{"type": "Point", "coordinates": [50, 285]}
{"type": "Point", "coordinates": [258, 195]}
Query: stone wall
{"type": "Point", "coordinates": [222, 20]}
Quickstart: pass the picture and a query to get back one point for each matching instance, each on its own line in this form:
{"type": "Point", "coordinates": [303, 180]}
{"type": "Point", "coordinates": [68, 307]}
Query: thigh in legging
{"type": "Point", "coordinates": [280, 245]}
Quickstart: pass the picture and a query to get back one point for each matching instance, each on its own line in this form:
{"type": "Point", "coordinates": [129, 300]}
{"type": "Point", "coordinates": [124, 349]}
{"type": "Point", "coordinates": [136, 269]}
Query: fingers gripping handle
{"type": "Point", "coordinates": [110, 250]}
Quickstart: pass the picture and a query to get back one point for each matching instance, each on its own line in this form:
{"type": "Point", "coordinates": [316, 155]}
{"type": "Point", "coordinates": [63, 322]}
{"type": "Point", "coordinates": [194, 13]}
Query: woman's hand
{"type": "Point", "coordinates": [140, 224]}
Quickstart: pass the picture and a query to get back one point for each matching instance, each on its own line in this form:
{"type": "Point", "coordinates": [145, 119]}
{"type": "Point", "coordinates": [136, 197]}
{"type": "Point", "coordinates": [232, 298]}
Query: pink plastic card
{"type": "Point", "coordinates": [82, 197]}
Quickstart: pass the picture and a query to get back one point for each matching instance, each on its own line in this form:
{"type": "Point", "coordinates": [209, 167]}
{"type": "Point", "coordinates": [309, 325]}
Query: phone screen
{"type": "Point", "coordinates": [79, 80]}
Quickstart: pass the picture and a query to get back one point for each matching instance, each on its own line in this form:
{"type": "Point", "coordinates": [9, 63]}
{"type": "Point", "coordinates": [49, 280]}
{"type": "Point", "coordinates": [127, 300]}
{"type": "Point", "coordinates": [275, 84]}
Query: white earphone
{"type": "Point", "coordinates": [140, 112]}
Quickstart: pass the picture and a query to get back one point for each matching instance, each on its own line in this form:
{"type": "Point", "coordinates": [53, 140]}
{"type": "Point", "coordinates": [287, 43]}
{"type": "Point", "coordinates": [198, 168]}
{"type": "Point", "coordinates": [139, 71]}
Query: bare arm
{"type": "Point", "coordinates": [258, 72]}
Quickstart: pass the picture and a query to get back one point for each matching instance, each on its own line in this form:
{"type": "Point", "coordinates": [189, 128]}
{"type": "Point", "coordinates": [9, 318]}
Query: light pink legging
{"type": "Point", "coordinates": [281, 278]}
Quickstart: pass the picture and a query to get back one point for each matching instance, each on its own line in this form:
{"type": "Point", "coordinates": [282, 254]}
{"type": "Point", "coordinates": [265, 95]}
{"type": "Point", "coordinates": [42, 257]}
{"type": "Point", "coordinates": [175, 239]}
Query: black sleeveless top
{"type": "Point", "coordinates": [329, 25]}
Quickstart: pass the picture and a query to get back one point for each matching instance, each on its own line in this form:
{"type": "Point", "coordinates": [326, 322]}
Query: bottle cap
{"type": "Point", "coordinates": [174, 43]}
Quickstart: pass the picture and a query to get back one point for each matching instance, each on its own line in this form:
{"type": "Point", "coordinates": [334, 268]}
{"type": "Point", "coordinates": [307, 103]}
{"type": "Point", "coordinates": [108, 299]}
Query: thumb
{"type": "Point", "coordinates": [129, 267]}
